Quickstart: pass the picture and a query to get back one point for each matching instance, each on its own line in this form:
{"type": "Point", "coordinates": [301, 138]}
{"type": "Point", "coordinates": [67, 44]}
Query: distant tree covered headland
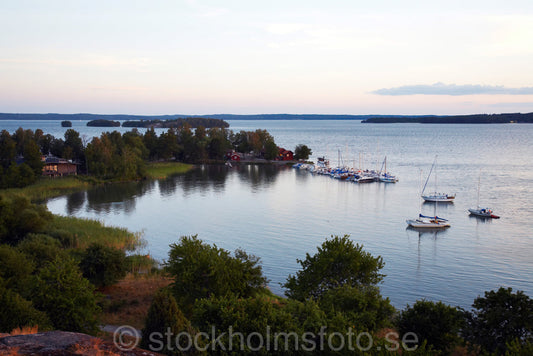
{"type": "Point", "coordinates": [456, 119]}
{"type": "Point", "coordinates": [193, 122]}
{"type": "Point", "coordinates": [103, 123]}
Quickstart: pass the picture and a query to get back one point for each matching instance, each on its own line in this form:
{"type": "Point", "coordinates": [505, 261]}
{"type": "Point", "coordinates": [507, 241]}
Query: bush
{"type": "Point", "coordinates": [17, 312]}
{"type": "Point", "coordinates": [102, 265]}
{"type": "Point", "coordinates": [362, 306]}
{"type": "Point", "coordinates": [302, 152]}
{"type": "Point", "coordinates": [499, 318]}
{"type": "Point", "coordinates": [41, 248]}
{"type": "Point", "coordinates": [61, 291]}
{"type": "Point", "coordinates": [163, 317]}
{"type": "Point", "coordinates": [338, 262]}
{"type": "Point", "coordinates": [18, 217]}
{"type": "Point", "coordinates": [201, 271]}
{"type": "Point", "coordinates": [437, 323]}
{"type": "Point", "coordinates": [15, 268]}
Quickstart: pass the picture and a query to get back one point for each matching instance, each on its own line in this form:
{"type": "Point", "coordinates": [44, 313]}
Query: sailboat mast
{"type": "Point", "coordinates": [429, 175]}
{"type": "Point", "coordinates": [478, 184]}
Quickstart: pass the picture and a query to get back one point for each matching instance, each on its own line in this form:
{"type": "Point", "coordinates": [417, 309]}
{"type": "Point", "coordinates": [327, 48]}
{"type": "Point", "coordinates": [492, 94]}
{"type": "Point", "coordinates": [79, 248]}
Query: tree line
{"type": "Point", "coordinates": [113, 155]}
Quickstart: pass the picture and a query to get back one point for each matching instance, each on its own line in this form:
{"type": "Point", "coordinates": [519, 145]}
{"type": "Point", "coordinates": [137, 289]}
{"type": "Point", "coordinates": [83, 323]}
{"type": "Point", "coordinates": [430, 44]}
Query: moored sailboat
{"type": "Point", "coordinates": [481, 211]}
{"type": "Point", "coordinates": [436, 197]}
{"type": "Point", "coordinates": [431, 222]}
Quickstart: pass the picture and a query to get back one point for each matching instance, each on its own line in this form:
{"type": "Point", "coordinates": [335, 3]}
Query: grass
{"type": "Point", "coordinates": [162, 170]}
{"type": "Point", "coordinates": [86, 231]}
{"type": "Point", "coordinates": [46, 188]}
{"type": "Point", "coordinates": [127, 302]}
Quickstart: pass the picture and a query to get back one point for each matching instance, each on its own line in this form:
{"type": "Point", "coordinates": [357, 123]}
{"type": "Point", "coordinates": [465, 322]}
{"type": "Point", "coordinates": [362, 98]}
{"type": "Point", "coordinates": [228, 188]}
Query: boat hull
{"type": "Point", "coordinates": [483, 214]}
{"type": "Point", "coordinates": [427, 224]}
{"type": "Point", "coordinates": [439, 198]}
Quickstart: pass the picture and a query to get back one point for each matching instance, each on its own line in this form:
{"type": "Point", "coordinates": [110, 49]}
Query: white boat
{"type": "Point", "coordinates": [423, 221]}
{"type": "Point", "coordinates": [365, 179]}
{"type": "Point", "coordinates": [436, 197]}
{"type": "Point", "coordinates": [385, 176]}
{"type": "Point", "coordinates": [428, 222]}
{"type": "Point", "coordinates": [439, 197]}
{"type": "Point", "coordinates": [481, 211]}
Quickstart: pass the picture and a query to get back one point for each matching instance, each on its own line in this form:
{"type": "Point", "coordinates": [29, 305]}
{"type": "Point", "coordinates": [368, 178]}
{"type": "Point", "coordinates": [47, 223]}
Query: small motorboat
{"type": "Point", "coordinates": [483, 213]}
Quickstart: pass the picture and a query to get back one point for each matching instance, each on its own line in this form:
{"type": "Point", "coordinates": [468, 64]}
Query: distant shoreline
{"type": "Point", "coordinates": [423, 119]}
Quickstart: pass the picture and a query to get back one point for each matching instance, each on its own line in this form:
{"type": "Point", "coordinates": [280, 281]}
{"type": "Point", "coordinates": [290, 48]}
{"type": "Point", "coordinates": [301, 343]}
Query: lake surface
{"type": "Point", "coordinates": [280, 214]}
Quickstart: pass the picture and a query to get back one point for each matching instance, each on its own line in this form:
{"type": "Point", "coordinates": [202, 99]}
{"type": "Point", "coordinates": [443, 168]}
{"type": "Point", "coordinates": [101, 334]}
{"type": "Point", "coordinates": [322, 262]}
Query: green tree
{"type": "Point", "coordinates": [201, 270]}
{"type": "Point", "coordinates": [271, 150]}
{"type": "Point", "coordinates": [15, 269]}
{"type": "Point", "coordinates": [338, 262]}
{"type": "Point", "coordinates": [18, 217]}
{"type": "Point", "coordinates": [41, 248]}
{"type": "Point", "coordinates": [32, 157]}
{"type": "Point", "coordinates": [102, 265]}
{"type": "Point", "coordinates": [60, 290]}
{"type": "Point", "coordinates": [16, 312]}
{"type": "Point", "coordinates": [8, 149]}
{"type": "Point", "coordinates": [359, 305]}
{"type": "Point", "coordinates": [500, 317]}
{"type": "Point", "coordinates": [437, 323]}
{"type": "Point", "coordinates": [74, 142]}
{"type": "Point", "coordinates": [163, 317]}
{"type": "Point", "coordinates": [302, 152]}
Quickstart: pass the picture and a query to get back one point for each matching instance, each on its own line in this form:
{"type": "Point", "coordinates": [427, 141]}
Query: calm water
{"type": "Point", "coordinates": [280, 214]}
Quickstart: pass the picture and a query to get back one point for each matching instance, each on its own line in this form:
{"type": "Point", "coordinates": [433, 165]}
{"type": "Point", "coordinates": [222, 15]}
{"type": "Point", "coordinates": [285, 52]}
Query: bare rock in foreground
{"type": "Point", "coordinates": [62, 343]}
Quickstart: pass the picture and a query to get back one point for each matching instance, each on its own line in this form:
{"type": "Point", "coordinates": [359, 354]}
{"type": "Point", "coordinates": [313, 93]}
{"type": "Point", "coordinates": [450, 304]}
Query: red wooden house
{"type": "Point", "coordinates": [285, 155]}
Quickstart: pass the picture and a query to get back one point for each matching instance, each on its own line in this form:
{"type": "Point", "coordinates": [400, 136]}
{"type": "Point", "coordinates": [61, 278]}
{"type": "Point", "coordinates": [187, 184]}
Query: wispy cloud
{"type": "Point", "coordinates": [454, 90]}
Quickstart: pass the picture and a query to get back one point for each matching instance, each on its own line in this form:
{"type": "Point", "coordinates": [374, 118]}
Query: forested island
{"type": "Point", "coordinates": [103, 123]}
{"type": "Point", "coordinates": [193, 122]}
{"type": "Point", "coordinates": [455, 119]}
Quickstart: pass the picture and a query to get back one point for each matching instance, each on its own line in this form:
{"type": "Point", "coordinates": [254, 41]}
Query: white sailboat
{"type": "Point", "coordinates": [482, 212]}
{"type": "Point", "coordinates": [385, 176]}
{"type": "Point", "coordinates": [428, 222]}
{"type": "Point", "coordinates": [436, 197]}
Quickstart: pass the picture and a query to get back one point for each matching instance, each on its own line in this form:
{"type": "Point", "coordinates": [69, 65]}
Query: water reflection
{"type": "Point", "coordinates": [213, 177]}
{"type": "Point", "coordinates": [117, 197]}
{"type": "Point", "coordinates": [203, 178]}
{"type": "Point", "coordinates": [121, 197]}
{"type": "Point", "coordinates": [75, 202]}
{"type": "Point", "coordinates": [427, 232]}
{"type": "Point", "coordinates": [259, 176]}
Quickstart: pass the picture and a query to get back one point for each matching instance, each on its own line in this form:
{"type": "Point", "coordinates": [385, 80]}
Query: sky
{"type": "Point", "coordinates": [158, 57]}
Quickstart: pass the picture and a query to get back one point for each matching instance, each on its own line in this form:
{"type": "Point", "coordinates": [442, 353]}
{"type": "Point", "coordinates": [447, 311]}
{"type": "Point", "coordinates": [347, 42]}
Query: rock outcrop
{"type": "Point", "coordinates": [62, 343]}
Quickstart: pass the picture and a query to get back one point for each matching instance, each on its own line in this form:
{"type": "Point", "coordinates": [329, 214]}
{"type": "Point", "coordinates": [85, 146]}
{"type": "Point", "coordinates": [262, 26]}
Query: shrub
{"type": "Point", "coordinates": [60, 290]}
{"type": "Point", "coordinates": [338, 262]}
{"type": "Point", "coordinates": [17, 312]}
{"type": "Point", "coordinates": [163, 317]}
{"type": "Point", "coordinates": [437, 323]}
{"type": "Point", "coordinates": [15, 268]}
{"type": "Point", "coordinates": [41, 248]}
{"type": "Point", "coordinates": [201, 271]}
{"type": "Point", "coordinates": [102, 265]}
